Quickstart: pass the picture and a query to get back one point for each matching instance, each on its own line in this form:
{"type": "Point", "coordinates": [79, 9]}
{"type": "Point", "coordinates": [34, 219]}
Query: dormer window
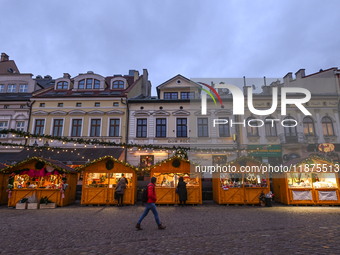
{"type": "Point", "coordinates": [170, 95]}
{"type": "Point", "coordinates": [118, 84]}
{"type": "Point", "coordinates": [11, 88]}
{"type": "Point", "coordinates": [90, 84]}
{"type": "Point", "coordinates": [62, 85]}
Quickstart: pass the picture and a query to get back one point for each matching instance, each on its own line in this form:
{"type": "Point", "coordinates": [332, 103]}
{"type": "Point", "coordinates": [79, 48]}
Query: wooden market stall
{"type": "Point", "coordinates": [3, 186]}
{"type": "Point", "coordinates": [168, 173]}
{"type": "Point", "coordinates": [237, 187]}
{"type": "Point", "coordinates": [311, 181]}
{"type": "Point", "coordinates": [43, 178]}
{"type": "Point", "coordinates": [100, 178]}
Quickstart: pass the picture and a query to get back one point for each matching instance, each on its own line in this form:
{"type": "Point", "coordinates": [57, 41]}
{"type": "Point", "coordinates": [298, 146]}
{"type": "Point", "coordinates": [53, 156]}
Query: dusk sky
{"type": "Point", "coordinates": [193, 38]}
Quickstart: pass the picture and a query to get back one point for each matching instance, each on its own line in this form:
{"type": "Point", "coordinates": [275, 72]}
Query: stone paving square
{"type": "Point", "coordinates": [202, 229]}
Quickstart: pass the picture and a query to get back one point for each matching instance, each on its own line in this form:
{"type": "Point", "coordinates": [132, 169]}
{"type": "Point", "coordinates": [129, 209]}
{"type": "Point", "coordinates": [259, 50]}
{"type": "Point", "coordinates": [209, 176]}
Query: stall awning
{"type": "Point", "coordinates": [77, 157]}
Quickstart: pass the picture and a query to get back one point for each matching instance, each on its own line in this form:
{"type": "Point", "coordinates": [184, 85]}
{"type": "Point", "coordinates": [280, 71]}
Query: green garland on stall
{"type": "Point", "coordinates": [7, 169]}
{"type": "Point", "coordinates": [310, 160]}
{"type": "Point", "coordinates": [80, 168]}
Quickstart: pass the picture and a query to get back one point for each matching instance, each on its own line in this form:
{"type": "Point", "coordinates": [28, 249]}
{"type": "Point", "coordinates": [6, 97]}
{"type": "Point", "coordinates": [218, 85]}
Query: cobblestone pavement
{"type": "Point", "coordinates": [202, 229]}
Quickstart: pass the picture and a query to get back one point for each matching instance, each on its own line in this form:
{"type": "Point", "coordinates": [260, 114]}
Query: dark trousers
{"type": "Point", "coordinates": [120, 199]}
{"type": "Point", "coordinates": [182, 201]}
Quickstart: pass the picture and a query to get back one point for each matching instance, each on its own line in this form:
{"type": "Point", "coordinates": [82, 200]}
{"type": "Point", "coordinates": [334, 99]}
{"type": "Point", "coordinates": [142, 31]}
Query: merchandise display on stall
{"type": "Point", "coordinates": [238, 187]}
{"type": "Point", "coordinates": [168, 173]}
{"type": "Point", "coordinates": [315, 181]}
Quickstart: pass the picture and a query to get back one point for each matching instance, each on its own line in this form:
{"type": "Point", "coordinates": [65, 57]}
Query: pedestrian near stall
{"type": "Point", "coordinates": [182, 192]}
{"type": "Point", "coordinates": [150, 205]}
{"type": "Point", "coordinates": [120, 190]}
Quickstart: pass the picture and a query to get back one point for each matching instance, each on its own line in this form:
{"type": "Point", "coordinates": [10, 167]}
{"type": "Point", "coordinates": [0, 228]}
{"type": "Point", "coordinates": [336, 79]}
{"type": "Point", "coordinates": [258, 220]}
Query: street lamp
{"type": "Point", "coordinates": [46, 144]}
{"type": "Point", "coordinates": [35, 143]}
{"type": "Point", "coordinates": [327, 139]}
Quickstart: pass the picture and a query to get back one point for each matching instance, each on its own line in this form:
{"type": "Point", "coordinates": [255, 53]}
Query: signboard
{"type": "Point", "coordinates": [265, 150]}
{"type": "Point", "coordinates": [326, 147]}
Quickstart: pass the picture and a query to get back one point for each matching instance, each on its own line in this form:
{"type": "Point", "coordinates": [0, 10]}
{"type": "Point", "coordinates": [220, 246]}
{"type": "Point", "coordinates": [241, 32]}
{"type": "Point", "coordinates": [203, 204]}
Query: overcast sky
{"type": "Point", "coordinates": [192, 38]}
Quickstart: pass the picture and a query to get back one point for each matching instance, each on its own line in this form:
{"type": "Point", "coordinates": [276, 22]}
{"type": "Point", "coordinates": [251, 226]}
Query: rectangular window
{"type": "Point", "coordinates": [78, 104]}
{"type": "Point", "coordinates": [2, 87]}
{"type": "Point", "coordinates": [95, 127]}
{"type": "Point", "coordinates": [11, 88]}
{"type": "Point", "coordinates": [3, 125]}
{"type": "Point", "coordinates": [58, 127]}
{"type": "Point", "coordinates": [6, 106]}
{"type": "Point", "coordinates": [76, 127]}
{"type": "Point", "coordinates": [187, 95]}
{"type": "Point", "coordinates": [42, 104]}
{"type": "Point", "coordinates": [170, 95]}
{"type": "Point", "coordinates": [202, 125]}
{"type": "Point", "coordinates": [89, 83]}
{"type": "Point", "coordinates": [141, 128]}
{"type": "Point", "coordinates": [97, 104]}
{"type": "Point", "coordinates": [160, 127]}
{"type": "Point", "coordinates": [182, 127]}
{"type": "Point", "coordinates": [96, 84]}
{"type": "Point", "coordinates": [39, 127]}
{"type": "Point", "coordinates": [81, 84]}
{"type": "Point", "coordinates": [224, 128]}
{"type": "Point", "coordinates": [115, 104]}
{"type": "Point", "coordinates": [60, 104]}
{"type": "Point", "coordinates": [23, 88]}
{"type": "Point", "coordinates": [20, 125]}
{"type": "Point", "coordinates": [114, 127]}
{"type": "Point", "coordinates": [22, 106]}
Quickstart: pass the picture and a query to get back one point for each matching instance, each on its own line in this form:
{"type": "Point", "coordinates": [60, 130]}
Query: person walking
{"type": "Point", "coordinates": [120, 190]}
{"type": "Point", "coordinates": [182, 191]}
{"type": "Point", "coordinates": [150, 205]}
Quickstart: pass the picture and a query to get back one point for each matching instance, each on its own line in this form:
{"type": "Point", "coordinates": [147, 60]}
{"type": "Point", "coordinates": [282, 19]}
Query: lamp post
{"type": "Point", "coordinates": [316, 139]}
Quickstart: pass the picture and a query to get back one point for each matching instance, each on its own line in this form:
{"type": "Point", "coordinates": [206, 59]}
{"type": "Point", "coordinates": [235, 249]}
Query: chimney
{"type": "Point", "coordinates": [135, 75]}
{"type": "Point", "coordinates": [300, 74]}
{"type": "Point", "coordinates": [67, 76]}
{"type": "Point", "coordinates": [288, 78]}
{"type": "Point", "coordinates": [4, 57]}
{"type": "Point", "coordinates": [145, 82]}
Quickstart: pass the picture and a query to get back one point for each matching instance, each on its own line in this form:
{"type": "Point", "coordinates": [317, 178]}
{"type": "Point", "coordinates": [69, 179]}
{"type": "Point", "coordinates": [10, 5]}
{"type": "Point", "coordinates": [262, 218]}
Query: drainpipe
{"type": "Point", "coordinates": [29, 118]}
{"type": "Point", "coordinates": [127, 124]}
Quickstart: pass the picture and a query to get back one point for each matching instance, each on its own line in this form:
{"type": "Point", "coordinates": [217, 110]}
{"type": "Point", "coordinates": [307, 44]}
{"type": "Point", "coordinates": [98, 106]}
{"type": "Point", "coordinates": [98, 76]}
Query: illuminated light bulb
{"type": "Point", "coordinates": [26, 137]}
{"type": "Point", "coordinates": [75, 144]}
{"type": "Point", "coordinates": [85, 146]}
{"type": "Point", "coordinates": [51, 141]}
{"type": "Point", "coordinates": [13, 135]}
{"type": "Point", "coordinates": [40, 139]}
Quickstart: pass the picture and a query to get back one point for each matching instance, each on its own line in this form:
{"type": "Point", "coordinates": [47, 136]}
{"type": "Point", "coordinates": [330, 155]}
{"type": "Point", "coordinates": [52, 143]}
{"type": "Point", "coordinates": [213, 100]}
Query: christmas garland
{"type": "Point", "coordinates": [80, 168]}
{"type": "Point", "coordinates": [97, 142]}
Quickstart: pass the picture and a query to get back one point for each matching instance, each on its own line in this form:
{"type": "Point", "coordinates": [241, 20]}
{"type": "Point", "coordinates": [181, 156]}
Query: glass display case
{"type": "Point", "coordinates": [299, 180]}
{"type": "Point", "coordinates": [170, 180]}
{"type": "Point", "coordinates": [255, 180]}
{"type": "Point", "coordinates": [324, 180]}
{"type": "Point", "coordinates": [46, 182]}
{"type": "Point", "coordinates": [232, 180]}
{"type": "Point", "coordinates": [106, 180]}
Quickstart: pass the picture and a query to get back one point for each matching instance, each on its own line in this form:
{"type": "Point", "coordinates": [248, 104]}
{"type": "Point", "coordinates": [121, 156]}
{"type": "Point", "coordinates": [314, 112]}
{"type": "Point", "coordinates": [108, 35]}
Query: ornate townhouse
{"type": "Point", "coordinates": [173, 118]}
{"type": "Point", "coordinates": [15, 92]}
{"type": "Point", "coordinates": [88, 106]}
{"type": "Point", "coordinates": [276, 143]}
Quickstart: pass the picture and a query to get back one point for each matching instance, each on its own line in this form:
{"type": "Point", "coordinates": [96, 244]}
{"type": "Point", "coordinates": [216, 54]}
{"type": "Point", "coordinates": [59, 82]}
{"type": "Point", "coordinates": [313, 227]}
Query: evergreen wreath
{"type": "Point", "coordinates": [109, 164]}
{"type": "Point", "coordinates": [176, 163]}
{"type": "Point", "coordinates": [39, 165]}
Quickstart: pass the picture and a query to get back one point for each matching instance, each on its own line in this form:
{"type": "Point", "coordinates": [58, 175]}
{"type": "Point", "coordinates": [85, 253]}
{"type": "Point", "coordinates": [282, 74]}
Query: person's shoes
{"type": "Point", "coordinates": [138, 226]}
{"type": "Point", "coordinates": [160, 226]}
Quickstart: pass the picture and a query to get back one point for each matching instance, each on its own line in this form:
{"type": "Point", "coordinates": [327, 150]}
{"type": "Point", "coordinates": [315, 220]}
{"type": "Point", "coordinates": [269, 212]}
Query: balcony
{"type": "Point", "coordinates": [291, 139]}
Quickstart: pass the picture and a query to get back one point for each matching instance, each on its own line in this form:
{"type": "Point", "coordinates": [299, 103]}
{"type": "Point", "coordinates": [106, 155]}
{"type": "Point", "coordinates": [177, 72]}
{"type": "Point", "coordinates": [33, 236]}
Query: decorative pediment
{"type": "Point", "coordinates": [142, 113]}
{"type": "Point", "coordinates": [115, 112]}
{"type": "Point", "coordinates": [96, 112]}
{"type": "Point", "coordinates": [223, 112]}
{"type": "Point", "coordinates": [40, 113]}
{"type": "Point", "coordinates": [77, 112]}
{"type": "Point", "coordinates": [58, 113]}
{"type": "Point", "coordinates": [181, 113]}
{"type": "Point", "coordinates": [161, 113]}
{"type": "Point", "coordinates": [200, 113]}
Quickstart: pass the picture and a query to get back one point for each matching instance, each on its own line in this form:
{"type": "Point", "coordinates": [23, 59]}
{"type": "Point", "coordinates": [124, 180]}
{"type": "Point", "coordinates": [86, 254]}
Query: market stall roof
{"type": "Point", "coordinates": [169, 159]}
{"type": "Point", "coordinates": [79, 156]}
{"type": "Point", "coordinates": [2, 166]}
{"type": "Point", "coordinates": [246, 158]}
{"type": "Point", "coordinates": [104, 158]}
{"type": "Point", "coordinates": [53, 163]}
{"type": "Point", "coordinates": [306, 160]}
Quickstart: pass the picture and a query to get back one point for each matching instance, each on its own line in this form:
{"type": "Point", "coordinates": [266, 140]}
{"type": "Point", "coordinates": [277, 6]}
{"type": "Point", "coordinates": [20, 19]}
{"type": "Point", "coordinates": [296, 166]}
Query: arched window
{"type": "Point", "coordinates": [327, 126]}
{"type": "Point", "coordinates": [96, 84]}
{"type": "Point", "coordinates": [252, 130]}
{"type": "Point", "coordinates": [62, 85]}
{"type": "Point", "coordinates": [270, 126]}
{"type": "Point", "coordinates": [290, 128]}
{"type": "Point", "coordinates": [118, 84]}
{"type": "Point", "coordinates": [308, 126]}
